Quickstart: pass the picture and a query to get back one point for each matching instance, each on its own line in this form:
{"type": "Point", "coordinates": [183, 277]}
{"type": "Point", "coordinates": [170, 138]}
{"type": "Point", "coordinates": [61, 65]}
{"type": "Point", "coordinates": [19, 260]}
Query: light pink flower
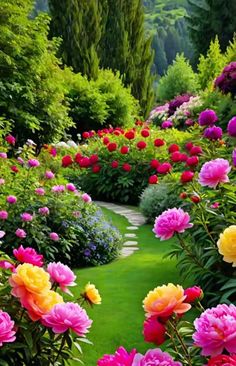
{"type": "Point", "coordinates": [3, 215]}
{"type": "Point", "coordinates": [62, 275]}
{"type": "Point", "coordinates": [171, 221]}
{"type": "Point", "coordinates": [215, 205]}
{"type": "Point", "coordinates": [7, 334]}
{"type": "Point", "coordinates": [20, 233]}
{"type": "Point", "coordinates": [154, 357]}
{"type": "Point", "coordinates": [11, 200]}
{"type": "Point", "coordinates": [67, 316]}
{"type": "Point", "coordinates": [76, 213]}
{"type": "Point", "coordinates": [2, 181]}
{"type": "Point", "coordinates": [120, 358]}
{"type": "Point", "coordinates": [26, 217]}
{"type": "Point", "coordinates": [40, 191]}
{"type": "Point", "coordinates": [2, 234]}
{"type": "Point", "coordinates": [214, 172]}
{"type": "Point", "coordinates": [44, 211]}
{"type": "Point", "coordinates": [71, 187]}
{"type": "Point", "coordinates": [54, 236]}
{"type": "Point", "coordinates": [20, 160]}
{"type": "Point", "coordinates": [86, 197]}
{"type": "Point", "coordinates": [49, 175]}
{"type": "Point", "coordinates": [28, 255]}
{"type": "Point", "coordinates": [33, 163]}
{"type": "Point", "coordinates": [216, 330]}
{"type": "Point", "coordinates": [58, 189]}
{"type": "Point", "coordinates": [7, 265]}
{"type": "Point", "coordinates": [3, 155]}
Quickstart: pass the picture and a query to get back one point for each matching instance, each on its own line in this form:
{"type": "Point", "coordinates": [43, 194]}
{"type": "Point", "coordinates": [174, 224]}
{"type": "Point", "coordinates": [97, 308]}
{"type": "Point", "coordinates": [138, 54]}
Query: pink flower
{"type": "Point", "coordinates": [2, 234]}
{"type": "Point", "coordinates": [3, 155]}
{"type": "Point", "coordinates": [120, 358]}
{"type": "Point", "coordinates": [49, 175]}
{"type": "Point", "coordinates": [20, 233]}
{"type": "Point", "coordinates": [166, 124]}
{"type": "Point", "coordinates": [10, 139]}
{"type": "Point", "coordinates": [26, 217]}
{"type": "Point", "coordinates": [155, 357]}
{"type": "Point", "coordinates": [28, 255]}
{"type": "Point", "coordinates": [33, 163]}
{"type": "Point", "coordinates": [44, 211]}
{"type": "Point", "coordinates": [86, 197]}
{"type": "Point", "coordinates": [62, 275]}
{"type": "Point", "coordinates": [20, 160]}
{"type": "Point", "coordinates": [40, 191]}
{"type": "Point", "coordinates": [154, 331]}
{"type": "Point", "coordinates": [53, 152]}
{"type": "Point", "coordinates": [2, 181]}
{"type": "Point", "coordinates": [215, 205]}
{"type": "Point", "coordinates": [54, 236]}
{"type": "Point", "coordinates": [214, 172]}
{"type": "Point", "coordinates": [77, 214]}
{"type": "Point", "coordinates": [171, 221]}
{"type": "Point", "coordinates": [193, 293]}
{"type": "Point", "coordinates": [67, 316]}
{"type": "Point", "coordinates": [216, 330]}
{"type": "Point", "coordinates": [70, 187]}
{"type": "Point", "coordinates": [7, 265]}
{"type": "Point", "coordinates": [7, 334]}
{"type": "Point", "coordinates": [11, 200]}
{"type": "Point", "coordinates": [58, 189]}
{"type": "Point", "coordinates": [3, 215]}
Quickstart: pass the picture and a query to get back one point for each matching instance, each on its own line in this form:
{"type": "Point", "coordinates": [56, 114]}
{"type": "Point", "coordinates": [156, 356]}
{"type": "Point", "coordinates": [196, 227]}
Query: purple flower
{"type": "Point", "coordinates": [232, 127]}
{"type": "Point", "coordinates": [33, 163]}
{"type": "Point", "coordinates": [213, 133]}
{"type": "Point", "coordinates": [44, 211]}
{"type": "Point", "coordinates": [234, 157]}
{"type": "Point", "coordinates": [166, 124]}
{"type": "Point", "coordinates": [3, 215]}
{"type": "Point", "coordinates": [26, 217]}
{"type": "Point", "coordinates": [207, 118]}
{"type": "Point", "coordinates": [58, 189]}
{"type": "Point", "coordinates": [87, 253]}
{"type": "Point", "coordinates": [177, 102]}
{"type": "Point", "coordinates": [11, 200]}
{"type": "Point", "coordinates": [226, 82]}
{"type": "Point", "coordinates": [3, 155]}
{"type": "Point", "coordinates": [86, 197]}
{"type": "Point", "coordinates": [70, 187]}
{"type": "Point", "coordinates": [54, 236]}
{"type": "Point", "coordinates": [20, 233]}
{"type": "Point", "coordinates": [49, 175]}
{"type": "Point", "coordinates": [40, 191]}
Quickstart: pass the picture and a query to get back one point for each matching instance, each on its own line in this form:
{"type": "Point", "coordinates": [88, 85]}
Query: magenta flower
{"type": "Point", "coordinates": [40, 191]}
{"type": "Point", "coordinates": [2, 234]}
{"type": "Point", "coordinates": [234, 157]}
{"type": "Point", "coordinates": [7, 332]}
{"type": "Point", "coordinates": [166, 124]}
{"type": "Point", "coordinates": [121, 357]}
{"type": "Point", "coordinates": [11, 200]}
{"type": "Point", "coordinates": [67, 316]}
{"type": "Point", "coordinates": [3, 215]}
{"type": "Point", "coordinates": [58, 189]}
{"type": "Point", "coordinates": [54, 236]}
{"type": "Point", "coordinates": [213, 133]}
{"type": "Point", "coordinates": [171, 221]}
{"type": "Point", "coordinates": [155, 357]}
{"type": "Point", "coordinates": [7, 265]}
{"type": "Point", "coordinates": [20, 233]}
{"type": "Point", "coordinates": [3, 155]}
{"type": "Point", "coordinates": [33, 163]}
{"type": "Point", "coordinates": [71, 187]}
{"type": "Point", "coordinates": [62, 275]}
{"type": "Point", "coordinates": [232, 127]}
{"type": "Point", "coordinates": [28, 255]}
{"type": "Point", "coordinates": [10, 139]}
{"type": "Point", "coordinates": [216, 330]}
{"type": "Point", "coordinates": [44, 211]}
{"type": "Point", "coordinates": [49, 175]}
{"type": "Point", "coordinates": [86, 197]}
{"type": "Point", "coordinates": [2, 181]}
{"type": "Point", "coordinates": [207, 118]}
{"type": "Point", "coordinates": [26, 217]}
{"type": "Point", "coordinates": [214, 172]}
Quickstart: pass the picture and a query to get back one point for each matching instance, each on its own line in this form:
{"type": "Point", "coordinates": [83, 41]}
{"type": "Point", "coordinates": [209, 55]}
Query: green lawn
{"type": "Point", "coordinates": [123, 284]}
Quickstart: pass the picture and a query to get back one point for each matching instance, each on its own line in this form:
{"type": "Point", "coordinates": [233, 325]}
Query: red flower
{"type": "Point", "coordinates": [141, 145]}
{"type": "Point", "coordinates": [93, 159]}
{"type": "Point", "coordinates": [222, 360]}
{"type": "Point", "coordinates": [10, 139]}
{"type": "Point", "coordinates": [196, 150]}
{"type": "Point", "coordinates": [145, 133]}
{"type": "Point", "coordinates": [172, 148]}
{"type": "Point", "coordinates": [154, 163]}
{"type": "Point", "coordinates": [117, 133]}
{"type": "Point", "coordinates": [138, 123]}
{"type": "Point", "coordinates": [124, 150]}
{"type": "Point", "coordinates": [66, 161]}
{"type": "Point", "coordinates": [154, 331]}
{"type": "Point", "coordinates": [114, 164]}
{"type": "Point", "coordinates": [187, 176]}
{"type": "Point", "coordinates": [112, 146]}
{"type": "Point", "coordinates": [183, 195]}
{"type": "Point", "coordinates": [192, 294]}
{"type": "Point", "coordinates": [130, 135]}
{"type": "Point", "coordinates": [164, 168]}
{"type": "Point", "coordinates": [188, 145]}
{"type": "Point", "coordinates": [192, 161]}
{"type": "Point", "coordinates": [184, 157]}
{"type": "Point", "coordinates": [153, 179]}
{"type": "Point", "coordinates": [96, 168]}
{"type": "Point", "coordinates": [86, 135]}
{"type": "Point", "coordinates": [84, 162]}
{"type": "Point", "coordinates": [78, 157]}
{"type": "Point", "coordinates": [159, 142]}
{"type": "Point", "coordinates": [105, 140]}
{"type": "Point", "coordinates": [14, 169]}
{"type": "Point", "coordinates": [195, 199]}
{"type": "Point", "coordinates": [126, 167]}
{"type": "Point", "coordinates": [176, 156]}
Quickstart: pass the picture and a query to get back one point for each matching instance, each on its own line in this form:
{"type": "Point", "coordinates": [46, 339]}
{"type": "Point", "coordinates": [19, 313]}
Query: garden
{"type": "Point", "coordinates": [117, 186]}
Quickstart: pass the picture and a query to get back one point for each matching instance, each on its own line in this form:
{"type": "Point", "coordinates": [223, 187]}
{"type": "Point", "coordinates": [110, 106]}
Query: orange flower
{"type": "Point", "coordinates": [165, 300]}
{"type": "Point", "coordinates": [92, 295]}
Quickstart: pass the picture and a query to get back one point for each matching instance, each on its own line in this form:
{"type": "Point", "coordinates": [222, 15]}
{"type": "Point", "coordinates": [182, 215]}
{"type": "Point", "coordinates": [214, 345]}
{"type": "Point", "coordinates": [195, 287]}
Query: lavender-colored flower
{"type": "Point", "coordinates": [58, 189]}
{"type": "Point", "coordinates": [44, 211]}
{"type": "Point", "coordinates": [226, 82]}
{"type": "Point", "coordinates": [166, 124]}
{"type": "Point", "coordinates": [11, 199]}
{"type": "Point", "coordinates": [40, 191]}
{"type": "Point", "coordinates": [26, 217]}
{"type": "Point", "coordinates": [20, 233]}
{"type": "Point", "coordinates": [177, 102]}
{"type": "Point", "coordinates": [232, 127]}
{"type": "Point", "coordinates": [3, 215]}
{"type": "Point", "coordinates": [213, 133]}
{"type": "Point", "coordinates": [87, 253]}
{"type": "Point", "coordinates": [71, 187]}
{"type": "Point", "coordinates": [86, 197]}
{"type": "Point", "coordinates": [3, 155]}
{"type": "Point", "coordinates": [54, 236]}
{"type": "Point", "coordinates": [33, 163]}
{"type": "Point", "coordinates": [49, 175]}
{"type": "Point", "coordinates": [207, 117]}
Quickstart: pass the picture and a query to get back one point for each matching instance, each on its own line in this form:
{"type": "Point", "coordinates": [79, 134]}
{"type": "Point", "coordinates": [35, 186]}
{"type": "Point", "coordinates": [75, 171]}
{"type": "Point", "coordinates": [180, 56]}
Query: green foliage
{"type": "Point", "coordinates": [230, 53]}
{"type": "Point", "coordinates": [179, 79]}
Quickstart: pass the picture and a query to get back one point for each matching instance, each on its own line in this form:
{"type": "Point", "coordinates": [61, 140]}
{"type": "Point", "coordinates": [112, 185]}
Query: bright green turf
{"type": "Point", "coordinates": [123, 284]}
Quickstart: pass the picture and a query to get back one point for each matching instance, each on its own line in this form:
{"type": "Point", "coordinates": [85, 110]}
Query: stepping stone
{"type": "Point", "coordinates": [132, 228]}
{"type": "Point", "coordinates": [130, 243]}
{"type": "Point", "coordinates": [130, 236]}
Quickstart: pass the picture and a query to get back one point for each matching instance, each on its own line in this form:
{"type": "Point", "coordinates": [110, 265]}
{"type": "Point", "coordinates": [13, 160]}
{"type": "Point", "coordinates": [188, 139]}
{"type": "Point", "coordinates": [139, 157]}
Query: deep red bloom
{"type": "Point", "coordinates": [117, 133]}
{"type": "Point", "coordinates": [188, 145]}
{"type": "Point", "coordinates": [14, 169]}
{"type": "Point", "coordinates": [114, 164]}
{"type": "Point", "coordinates": [130, 135]}
{"type": "Point", "coordinates": [159, 142]}
{"type": "Point", "coordinates": [195, 199]}
{"type": "Point", "coordinates": [154, 331]}
{"type": "Point", "coordinates": [138, 123]}
{"type": "Point", "coordinates": [164, 168]}
{"type": "Point", "coordinates": [86, 135]}
{"type": "Point", "coordinates": [196, 150]}
{"type": "Point", "coordinates": [192, 294]}
{"type": "Point", "coordinates": [141, 145]}
{"type": "Point", "coordinates": [184, 157]}
{"type": "Point", "coordinates": [10, 139]}
{"type": "Point", "coordinates": [84, 162]}
{"type": "Point", "coordinates": [222, 360]}
{"type": "Point", "coordinates": [183, 195]}
{"type": "Point", "coordinates": [66, 161]}
{"type": "Point", "coordinates": [96, 168]}
{"type": "Point", "coordinates": [105, 140]}
{"type": "Point", "coordinates": [112, 146]}
{"type": "Point", "coordinates": [154, 163]}
{"type": "Point", "coordinates": [126, 167]}
{"type": "Point", "coordinates": [124, 150]}
{"type": "Point", "coordinates": [176, 156]}
{"type": "Point", "coordinates": [153, 179]}
{"type": "Point", "coordinates": [187, 176]}
{"type": "Point", "coordinates": [78, 157]}
{"type": "Point", "coordinates": [145, 133]}
{"type": "Point", "coordinates": [172, 148]}
{"type": "Point", "coordinates": [192, 161]}
{"type": "Point", "coordinates": [93, 159]}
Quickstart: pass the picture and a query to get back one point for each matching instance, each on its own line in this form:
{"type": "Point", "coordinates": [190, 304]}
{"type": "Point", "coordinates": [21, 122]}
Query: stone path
{"type": "Point", "coordinates": [135, 218]}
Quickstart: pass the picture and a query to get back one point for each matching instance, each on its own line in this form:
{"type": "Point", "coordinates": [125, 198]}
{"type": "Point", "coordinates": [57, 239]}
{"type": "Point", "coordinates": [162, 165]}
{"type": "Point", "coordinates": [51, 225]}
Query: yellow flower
{"type": "Point", "coordinates": [227, 245]}
{"type": "Point", "coordinates": [92, 295]}
{"type": "Point", "coordinates": [38, 305]}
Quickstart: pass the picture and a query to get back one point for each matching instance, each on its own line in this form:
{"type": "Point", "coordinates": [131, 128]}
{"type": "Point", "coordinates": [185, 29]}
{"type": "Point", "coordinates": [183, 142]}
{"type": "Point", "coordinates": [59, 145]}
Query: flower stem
{"type": "Point", "coordinates": [190, 254]}
{"type": "Point", "coordinates": [183, 346]}
{"type": "Point", "coordinates": [61, 347]}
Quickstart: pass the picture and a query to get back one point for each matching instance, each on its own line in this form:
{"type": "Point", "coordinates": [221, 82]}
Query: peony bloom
{"type": "Point", "coordinates": [153, 179]}
{"type": "Point", "coordinates": [28, 255]}
{"type": "Point", "coordinates": [173, 148]}
{"type": "Point", "coordinates": [91, 295]}
{"type": "Point", "coordinates": [155, 357]}
{"type": "Point", "coordinates": [130, 135]}
{"type": "Point", "coordinates": [54, 236]}
{"type": "Point", "coordinates": [112, 146]}
{"type": "Point", "coordinates": [216, 330]}
{"type": "Point", "coordinates": [14, 169]}
{"type": "Point", "coordinates": [26, 217]}
{"type": "Point", "coordinates": [66, 161]}
{"type": "Point", "coordinates": [71, 187]}
{"type": "Point", "coordinates": [94, 159]}
{"type": "Point", "coordinates": [207, 117]}
{"type": "Point", "coordinates": [7, 265]}
{"type": "Point", "coordinates": [10, 139]}
{"type": "Point", "coordinates": [67, 316]}
{"type": "Point", "coordinates": [214, 172]}
{"type": "Point", "coordinates": [44, 211]}
{"type": "Point", "coordinates": [2, 181]}
{"type": "Point", "coordinates": [171, 221]}
{"type": "Point", "coordinates": [86, 198]}
{"type": "Point", "coordinates": [141, 145]}
{"type": "Point", "coordinates": [222, 360]}
{"type": "Point", "coordinates": [193, 293]}
{"type": "Point", "coordinates": [234, 157]}
{"type": "Point", "coordinates": [114, 164]}
{"type": "Point", "coordinates": [166, 124]}
{"type": "Point", "coordinates": [85, 135]}
{"type": "Point", "coordinates": [33, 163]}
{"type": "Point", "coordinates": [154, 163]}
{"type": "Point", "coordinates": [165, 300]}
{"type": "Point", "coordinates": [96, 168]}
{"type": "Point", "coordinates": [145, 133]}
{"type": "Point", "coordinates": [213, 133]}
{"type": "Point", "coordinates": [7, 332]}
{"type": "Point", "coordinates": [164, 168]}
{"type": "Point", "coordinates": [124, 150]}
{"type": "Point", "coordinates": [154, 331]}
{"type": "Point", "coordinates": [62, 275]}
{"type": "Point", "coordinates": [159, 142]}
{"type": "Point", "coordinates": [40, 191]}
{"type": "Point", "coordinates": [3, 215]}
{"type": "Point", "coordinates": [196, 150]}
{"type": "Point", "coordinates": [195, 198]}
{"type": "Point", "coordinates": [20, 233]}
{"type": "Point", "coordinates": [49, 175]}
{"type": "Point", "coordinates": [2, 234]}
{"type": "Point", "coordinates": [192, 161]}
{"type": "Point", "coordinates": [58, 189]}
{"type": "Point", "coordinates": [120, 358]}
{"type": "Point", "coordinates": [215, 205]}
{"type": "Point", "coordinates": [231, 129]}
{"type": "Point", "coordinates": [187, 176]}
{"type": "Point", "coordinates": [11, 199]}
{"type": "Point", "coordinates": [3, 155]}
{"type": "Point", "coordinates": [226, 245]}
{"type": "Point", "coordinates": [126, 167]}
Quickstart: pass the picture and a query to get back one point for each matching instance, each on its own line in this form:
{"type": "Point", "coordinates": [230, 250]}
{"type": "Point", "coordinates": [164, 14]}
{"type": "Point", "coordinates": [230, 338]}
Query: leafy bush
{"type": "Point", "coordinates": [179, 79]}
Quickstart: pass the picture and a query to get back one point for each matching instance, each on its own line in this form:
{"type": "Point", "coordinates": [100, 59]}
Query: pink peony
{"type": "Point", "coordinates": [54, 236]}
{"type": "Point", "coordinates": [26, 217]}
{"type": "Point", "coordinates": [2, 181]}
{"type": "Point", "coordinates": [20, 233]}
{"type": "Point", "coordinates": [44, 211]}
{"type": "Point", "coordinates": [28, 255]}
{"type": "Point", "coordinates": [193, 293]}
{"type": "Point", "coordinates": [86, 197]}
{"type": "Point", "coordinates": [62, 275]}
{"type": "Point", "coordinates": [216, 330]}
{"type": "Point", "coordinates": [3, 215]}
{"type": "Point", "coordinates": [71, 187]}
{"type": "Point", "coordinates": [154, 331]}
{"type": "Point", "coordinates": [40, 191]}
{"type": "Point", "coordinates": [3, 155]}
{"type": "Point", "coordinates": [2, 234]}
{"type": "Point", "coordinates": [171, 221]}
{"type": "Point", "coordinates": [120, 358]}
{"type": "Point", "coordinates": [207, 117]}
{"type": "Point", "coordinates": [7, 265]}
{"type": "Point", "coordinates": [49, 175]}
{"type": "Point", "coordinates": [10, 139]}
{"type": "Point", "coordinates": [155, 357]}
{"type": "Point", "coordinates": [7, 332]}
{"type": "Point", "coordinates": [214, 172]}
{"type": "Point", "coordinates": [11, 199]}
{"type": "Point", "coordinates": [33, 163]}
{"type": "Point", "coordinates": [215, 205]}
{"type": "Point", "coordinates": [58, 189]}
{"type": "Point", "coordinates": [67, 316]}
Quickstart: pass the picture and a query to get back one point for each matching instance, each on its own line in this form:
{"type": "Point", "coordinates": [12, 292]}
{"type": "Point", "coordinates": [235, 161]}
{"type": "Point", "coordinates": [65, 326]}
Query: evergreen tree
{"type": "Point", "coordinates": [160, 60]}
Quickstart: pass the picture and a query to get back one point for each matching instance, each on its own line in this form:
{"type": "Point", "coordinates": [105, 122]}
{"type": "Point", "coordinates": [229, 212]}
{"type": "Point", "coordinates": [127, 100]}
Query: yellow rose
{"type": "Point", "coordinates": [92, 295]}
{"type": "Point", "coordinates": [227, 245]}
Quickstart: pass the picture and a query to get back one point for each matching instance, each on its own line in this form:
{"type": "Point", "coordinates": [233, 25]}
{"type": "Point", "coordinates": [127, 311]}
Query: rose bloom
{"type": "Point", "coordinates": [154, 331]}
{"type": "Point", "coordinates": [40, 191]}
{"type": "Point", "coordinates": [193, 293]}
{"type": "Point", "coordinates": [44, 211]}
{"type": "Point", "coordinates": [86, 197]}
{"type": "Point", "coordinates": [33, 163]}
{"type": "Point", "coordinates": [10, 139]}
{"type": "Point", "coordinates": [62, 275]}
{"type": "Point", "coordinates": [3, 155]}
{"type": "Point", "coordinates": [58, 189]}
{"type": "Point", "coordinates": [11, 199]}
{"type": "Point", "coordinates": [26, 217]}
{"type": "Point", "coordinates": [7, 332]}
{"type": "Point", "coordinates": [63, 317]}
{"type": "Point", "coordinates": [171, 221]}
{"type": "Point", "coordinates": [207, 117]}
{"type": "Point", "coordinates": [20, 233]}
{"type": "Point", "coordinates": [66, 161]}
{"type": "Point", "coordinates": [222, 360]}
{"type": "Point", "coordinates": [3, 215]}
{"type": "Point", "coordinates": [226, 245]}
{"type": "Point", "coordinates": [120, 358]}
{"type": "Point", "coordinates": [71, 187]}
{"type": "Point", "coordinates": [91, 294]}
{"type": "Point", "coordinates": [165, 300]}
{"type": "Point", "coordinates": [28, 255]}
{"type": "Point", "coordinates": [54, 236]}
{"type": "Point", "coordinates": [49, 175]}
{"type": "Point", "coordinates": [216, 330]}
{"type": "Point", "coordinates": [214, 172]}
{"type": "Point", "coordinates": [155, 357]}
